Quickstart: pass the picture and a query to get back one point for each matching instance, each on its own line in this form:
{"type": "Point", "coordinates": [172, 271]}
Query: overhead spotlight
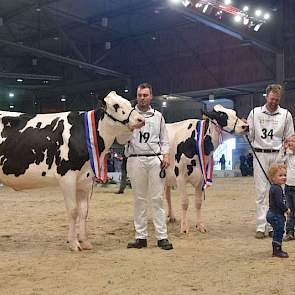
{"type": "Point", "coordinates": [258, 12]}
{"type": "Point", "coordinates": [264, 94]}
{"type": "Point", "coordinates": [186, 3]}
{"type": "Point", "coordinates": [198, 5]}
{"type": "Point", "coordinates": [238, 18]}
{"type": "Point", "coordinates": [257, 27]}
{"type": "Point", "coordinates": [227, 2]}
{"type": "Point", "coordinates": [246, 20]}
{"type": "Point", "coordinates": [19, 80]}
{"type": "Point", "coordinates": [11, 106]}
{"type": "Point", "coordinates": [266, 16]}
{"type": "Point", "coordinates": [11, 94]}
{"type": "Point", "coordinates": [45, 82]}
{"type": "Point", "coordinates": [246, 8]}
{"type": "Point", "coordinates": [175, 1]}
{"type": "Point", "coordinates": [126, 90]}
{"type": "Point", "coordinates": [164, 104]}
{"type": "Point", "coordinates": [205, 8]}
{"type": "Point", "coordinates": [63, 99]}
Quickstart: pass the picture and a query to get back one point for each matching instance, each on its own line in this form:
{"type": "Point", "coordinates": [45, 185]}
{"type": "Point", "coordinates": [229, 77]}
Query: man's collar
{"type": "Point", "coordinates": [265, 110]}
{"type": "Point", "coordinates": [149, 111]}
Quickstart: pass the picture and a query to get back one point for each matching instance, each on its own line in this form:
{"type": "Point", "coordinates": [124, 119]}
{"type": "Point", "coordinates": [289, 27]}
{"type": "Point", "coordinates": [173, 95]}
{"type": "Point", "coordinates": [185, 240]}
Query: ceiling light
{"type": "Point", "coordinates": [258, 12]}
{"type": "Point", "coordinates": [205, 8]}
{"type": "Point", "coordinates": [246, 8]}
{"type": "Point", "coordinates": [175, 1]}
{"type": "Point", "coordinates": [164, 104]}
{"type": "Point", "coordinates": [19, 80]}
{"type": "Point", "coordinates": [246, 21]}
{"type": "Point", "coordinates": [238, 18]}
{"type": "Point", "coordinates": [257, 27]}
{"type": "Point", "coordinates": [11, 94]}
{"type": "Point", "coordinates": [11, 106]}
{"type": "Point", "coordinates": [186, 3]}
{"type": "Point", "coordinates": [227, 2]}
{"type": "Point", "coordinates": [266, 16]}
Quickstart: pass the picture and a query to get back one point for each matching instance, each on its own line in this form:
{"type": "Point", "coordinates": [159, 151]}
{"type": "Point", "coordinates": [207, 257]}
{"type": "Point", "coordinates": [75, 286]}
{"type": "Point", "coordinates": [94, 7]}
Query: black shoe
{"type": "Point", "coordinates": [138, 243]}
{"type": "Point", "coordinates": [120, 192]}
{"type": "Point", "coordinates": [278, 252]}
{"type": "Point", "coordinates": [165, 244]}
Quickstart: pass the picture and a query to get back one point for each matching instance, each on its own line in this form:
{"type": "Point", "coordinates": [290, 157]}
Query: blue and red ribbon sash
{"type": "Point", "coordinates": [98, 162]}
{"type": "Point", "coordinates": [206, 164]}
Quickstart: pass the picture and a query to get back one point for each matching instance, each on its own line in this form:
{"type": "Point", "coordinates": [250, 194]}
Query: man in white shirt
{"type": "Point", "coordinates": [144, 150]}
{"type": "Point", "coordinates": [269, 125]}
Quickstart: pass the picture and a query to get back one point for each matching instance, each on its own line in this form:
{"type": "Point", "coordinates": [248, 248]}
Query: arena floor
{"type": "Point", "coordinates": [34, 258]}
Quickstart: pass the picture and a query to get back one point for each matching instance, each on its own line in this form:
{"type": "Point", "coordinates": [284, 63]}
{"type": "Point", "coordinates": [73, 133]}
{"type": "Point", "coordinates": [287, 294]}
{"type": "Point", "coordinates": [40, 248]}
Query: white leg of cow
{"type": "Point", "coordinates": [198, 203]}
{"type": "Point", "coordinates": [171, 216]}
{"type": "Point", "coordinates": [69, 192]}
{"type": "Point", "coordinates": [83, 202]}
{"type": "Point", "coordinates": [184, 205]}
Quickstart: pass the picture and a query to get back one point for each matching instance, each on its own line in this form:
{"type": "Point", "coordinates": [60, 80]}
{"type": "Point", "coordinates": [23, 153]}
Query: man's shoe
{"type": "Point", "coordinates": [138, 243]}
{"type": "Point", "coordinates": [259, 235]}
{"type": "Point", "coordinates": [288, 237]}
{"type": "Point", "coordinates": [165, 244]}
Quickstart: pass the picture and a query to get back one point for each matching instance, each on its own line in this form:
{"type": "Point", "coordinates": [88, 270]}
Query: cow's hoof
{"type": "Point", "coordinates": [171, 219]}
{"type": "Point", "coordinates": [86, 245]}
{"type": "Point", "coordinates": [184, 229]}
{"type": "Point", "coordinates": [201, 228]}
{"type": "Point", "coordinates": [75, 246]}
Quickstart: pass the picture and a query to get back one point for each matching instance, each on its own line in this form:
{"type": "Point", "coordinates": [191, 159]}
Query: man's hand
{"type": "Point", "coordinates": [165, 162]}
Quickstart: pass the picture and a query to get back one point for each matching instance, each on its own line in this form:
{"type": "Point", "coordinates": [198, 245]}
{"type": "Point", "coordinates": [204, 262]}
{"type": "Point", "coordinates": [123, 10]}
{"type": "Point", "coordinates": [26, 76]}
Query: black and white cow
{"type": "Point", "coordinates": [185, 168]}
{"type": "Point", "coordinates": [50, 149]}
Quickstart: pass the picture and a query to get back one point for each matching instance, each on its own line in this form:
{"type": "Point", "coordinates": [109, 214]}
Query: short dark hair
{"type": "Point", "coordinates": [146, 85]}
{"type": "Point", "coordinates": [276, 88]}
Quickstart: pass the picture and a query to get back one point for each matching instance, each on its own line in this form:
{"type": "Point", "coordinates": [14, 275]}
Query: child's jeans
{"type": "Point", "coordinates": [290, 197]}
{"type": "Point", "coordinates": [278, 223]}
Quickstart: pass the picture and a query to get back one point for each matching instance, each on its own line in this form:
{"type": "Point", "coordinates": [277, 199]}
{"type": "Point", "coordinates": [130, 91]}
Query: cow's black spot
{"type": "Point", "coordinates": [206, 125]}
{"type": "Point", "coordinates": [190, 169]}
{"type": "Point", "coordinates": [43, 173]}
{"type": "Point", "coordinates": [116, 106]}
{"type": "Point", "coordinates": [221, 119]}
{"type": "Point", "coordinates": [208, 145]}
{"type": "Point", "coordinates": [39, 124]}
{"type": "Point", "coordinates": [193, 162]}
{"type": "Point", "coordinates": [189, 126]}
{"type": "Point", "coordinates": [176, 171]}
{"type": "Point", "coordinates": [186, 147]}
{"type": "Point", "coordinates": [88, 174]}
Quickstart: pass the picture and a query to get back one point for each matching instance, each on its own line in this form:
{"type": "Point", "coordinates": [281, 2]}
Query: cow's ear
{"type": "Point", "coordinates": [101, 104]}
{"type": "Point", "coordinates": [212, 115]}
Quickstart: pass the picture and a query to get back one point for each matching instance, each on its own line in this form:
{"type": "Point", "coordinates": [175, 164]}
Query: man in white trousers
{"type": "Point", "coordinates": [144, 150]}
{"type": "Point", "coordinates": [269, 125]}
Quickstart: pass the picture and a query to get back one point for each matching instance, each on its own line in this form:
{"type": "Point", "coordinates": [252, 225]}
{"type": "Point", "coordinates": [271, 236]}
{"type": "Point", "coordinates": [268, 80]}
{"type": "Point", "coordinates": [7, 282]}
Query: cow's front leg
{"type": "Point", "coordinates": [184, 227]}
{"type": "Point", "coordinates": [198, 203]}
{"type": "Point", "coordinates": [83, 202]}
{"type": "Point", "coordinates": [171, 216]}
{"type": "Point", "coordinates": [68, 187]}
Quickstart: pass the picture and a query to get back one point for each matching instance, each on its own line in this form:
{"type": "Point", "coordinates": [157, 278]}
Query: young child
{"type": "Point", "coordinates": [289, 158]}
{"type": "Point", "coordinates": [277, 208]}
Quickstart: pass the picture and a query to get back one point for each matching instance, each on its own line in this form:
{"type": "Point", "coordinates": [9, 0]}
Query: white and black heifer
{"type": "Point", "coordinates": [185, 167]}
{"type": "Point", "coordinates": [50, 149]}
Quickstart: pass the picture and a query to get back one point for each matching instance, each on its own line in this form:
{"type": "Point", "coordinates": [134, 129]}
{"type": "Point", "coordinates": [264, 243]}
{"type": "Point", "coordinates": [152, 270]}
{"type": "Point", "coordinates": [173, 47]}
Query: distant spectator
{"type": "Point", "coordinates": [222, 162]}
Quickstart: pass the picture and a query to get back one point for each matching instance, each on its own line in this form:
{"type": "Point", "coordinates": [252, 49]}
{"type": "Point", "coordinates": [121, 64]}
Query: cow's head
{"type": "Point", "coordinates": [121, 113]}
{"type": "Point", "coordinates": [227, 120]}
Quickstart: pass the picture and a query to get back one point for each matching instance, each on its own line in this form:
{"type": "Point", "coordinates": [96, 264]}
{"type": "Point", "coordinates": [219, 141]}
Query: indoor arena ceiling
{"type": "Point", "coordinates": [53, 47]}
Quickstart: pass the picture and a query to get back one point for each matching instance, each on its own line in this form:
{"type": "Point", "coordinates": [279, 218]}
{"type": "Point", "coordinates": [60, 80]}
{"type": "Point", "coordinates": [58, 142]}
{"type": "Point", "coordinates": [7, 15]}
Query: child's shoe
{"type": "Point", "coordinates": [278, 252]}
